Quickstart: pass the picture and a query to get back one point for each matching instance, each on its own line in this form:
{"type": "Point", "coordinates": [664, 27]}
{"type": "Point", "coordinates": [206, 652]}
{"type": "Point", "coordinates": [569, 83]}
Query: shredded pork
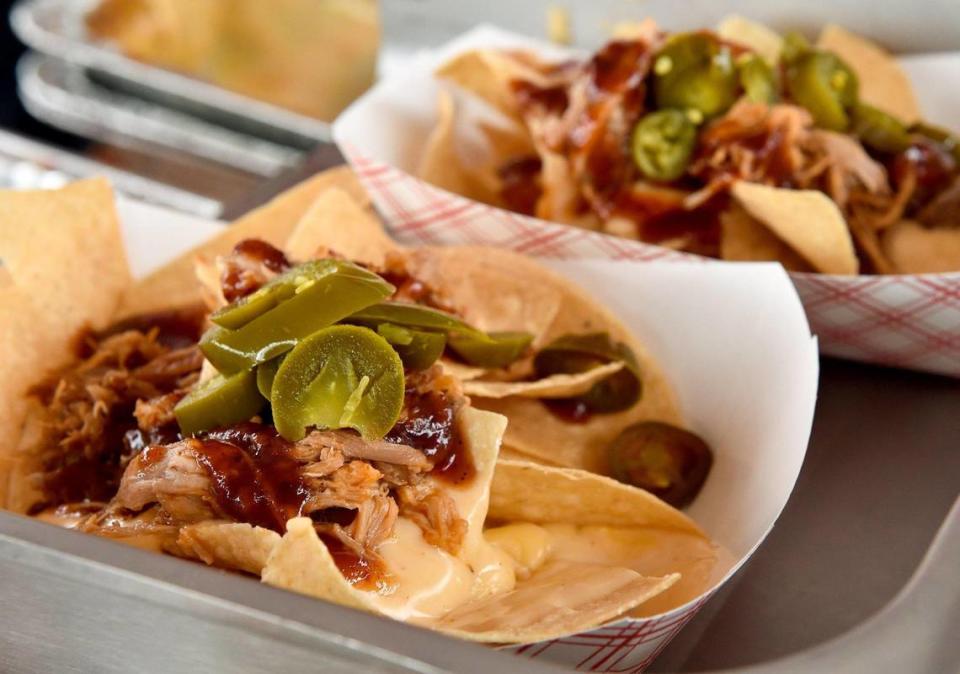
{"type": "Point", "coordinates": [88, 410]}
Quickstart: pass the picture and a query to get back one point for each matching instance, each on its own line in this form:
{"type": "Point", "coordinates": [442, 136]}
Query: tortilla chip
{"type": "Point", "coordinates": [645, 30]}
{"type": "Point", "coordinates": [554, 386]}
{"type": "Point", "coordinates": [883, 83]}
{"type": "Point", "coordinates": [806, 220]}
{"type": "Point", "coordinates": [493, 289]}
{"type": "Point", "coordinates": [487, 74]}
{"type": "Point", "coordinates": [583, 596]}
{"type": "Point", "coordinates": [64, 269]}
{"type": "Point", "coordinates": [527, 492]}
{"type": "Point", "coordinates": [27, 351]}
{"type": "Point", "coordinates": [508, 291]}
{"type": "Point", "coordinates": [915, 249]}
{"type": "Point", "coordinates": [443, 166]}
{"type": "Point", "coordinates": [758, 37]}
{"type": "Point", "coordinates": [745, 239]}
{"type": "Point", "coordinates": [338, 222]}
{"type": "Point", "coordinates": [228, 545]}
{"type": "Point", "coordinates": [65, 249]}
{"type": "Point", "coordinates": [650, 551]}
{"type": "Point", "coordinates": [462, 371]}
{"type": "Point", "coordinates": [174, 283]}
{"type": "Point", "coordinates": [302, 563]}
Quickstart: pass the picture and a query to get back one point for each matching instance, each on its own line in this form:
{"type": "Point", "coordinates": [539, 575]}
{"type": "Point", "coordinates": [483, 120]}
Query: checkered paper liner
{"type": "Point", "coordinates": [624, 646]}
{"type": "Point", "coordinates": [908, 321]}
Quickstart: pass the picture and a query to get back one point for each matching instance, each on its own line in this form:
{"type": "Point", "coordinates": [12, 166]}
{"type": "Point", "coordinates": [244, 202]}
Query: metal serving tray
{"type": "Point", "coordinates": [63, 94]}
{"type": "Point", "coordinates": [29, 164]}
{"type": "Point", "coordinates": [56, 27]}
{"type": "Point", "coordinates": [881, 473]}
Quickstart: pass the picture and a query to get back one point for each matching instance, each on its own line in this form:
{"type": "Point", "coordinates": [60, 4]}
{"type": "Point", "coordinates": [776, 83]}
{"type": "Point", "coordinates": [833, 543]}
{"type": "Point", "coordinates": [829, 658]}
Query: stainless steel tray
{"type": "Point", "coordinates": [63, 95]}
{"type": "Point", "coordinates": [76, 603]}
{"type": "Point", "coordinates": [29, 164]}
{"type": "Point", "coordinates": [56, 27]}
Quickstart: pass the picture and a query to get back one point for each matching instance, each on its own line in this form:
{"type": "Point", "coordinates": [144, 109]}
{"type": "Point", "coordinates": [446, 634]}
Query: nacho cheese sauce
{"type": "Point", "coordinates": [650, 552]}
{"type": "Point", "coordinates": [428, 582]}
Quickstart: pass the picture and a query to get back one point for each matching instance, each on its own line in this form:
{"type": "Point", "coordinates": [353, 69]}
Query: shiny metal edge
{"type": "Point", "coordinates": [55, 27]}
{"type": "Point", "coordinates": [48, 159]}
{"type": "Point", "coordinates": [113, 584]}
{"type": "Point", "coordinates": [60, 94]}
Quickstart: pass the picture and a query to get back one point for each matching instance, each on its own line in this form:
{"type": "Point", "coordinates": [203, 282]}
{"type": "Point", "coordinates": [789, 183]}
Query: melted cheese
{"type": "Point", "coordinates": [427, 581]}
{"type": "Point", "coordinates": [430, 582]}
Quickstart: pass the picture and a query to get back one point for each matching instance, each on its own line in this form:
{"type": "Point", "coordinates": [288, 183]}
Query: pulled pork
{"type": "Point", "coordinates": [87, 424]}
{"type": "Point", "coordinates": [250, 264]}
{"type": "Point", "coordinates": [353, 489]}
{"type": "Point", "coordinates": [110, 436]}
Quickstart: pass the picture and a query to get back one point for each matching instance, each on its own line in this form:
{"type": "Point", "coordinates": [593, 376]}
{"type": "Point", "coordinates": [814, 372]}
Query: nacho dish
{"type": "Point", "coordinates": [454, 437]}
{"type": "Point", "coordinates": [310, 56]}
{"type": "Point", "coordinates": [734, 143]}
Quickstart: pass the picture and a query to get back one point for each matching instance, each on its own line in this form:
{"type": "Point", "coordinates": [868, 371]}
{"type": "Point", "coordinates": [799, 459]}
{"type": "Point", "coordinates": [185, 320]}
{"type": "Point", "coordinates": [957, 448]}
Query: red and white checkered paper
{"type": "Point", "coordinates": [909, 321]}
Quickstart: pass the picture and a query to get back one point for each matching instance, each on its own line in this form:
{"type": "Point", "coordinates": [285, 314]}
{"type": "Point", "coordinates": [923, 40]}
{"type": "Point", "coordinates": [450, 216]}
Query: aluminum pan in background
{"type": "Point", "coordinates": [56, 27]}
{"type": "Point", "coordinates": [29, 164]}
{"type": "Point", "coordinates": [62, 95]}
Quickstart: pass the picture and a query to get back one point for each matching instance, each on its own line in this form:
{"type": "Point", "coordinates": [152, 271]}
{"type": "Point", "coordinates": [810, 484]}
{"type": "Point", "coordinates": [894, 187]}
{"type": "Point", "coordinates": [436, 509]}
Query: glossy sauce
{"type": "Point", "coordinates": [520, 184]}
{"type": "Point", "coordinates": [254, 479]}
{"type": "Point", "coordinates": [430, 426]}
{"type": "Point", "coordinates": [362, 573]}
{"type": "Point", "coordinates": [569, 410]}
{"type": "Point", "coordinates": [933, 167]}
{"type": "Point", "coordinates": [239, 279]}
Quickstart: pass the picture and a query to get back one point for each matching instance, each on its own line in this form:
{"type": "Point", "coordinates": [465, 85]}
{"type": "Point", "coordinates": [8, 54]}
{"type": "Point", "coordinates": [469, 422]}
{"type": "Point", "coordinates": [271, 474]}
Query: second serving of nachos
{"type": "Point", "coordinates": [734, 142]}
{"type": "Point", "coordinates": [322, 413]}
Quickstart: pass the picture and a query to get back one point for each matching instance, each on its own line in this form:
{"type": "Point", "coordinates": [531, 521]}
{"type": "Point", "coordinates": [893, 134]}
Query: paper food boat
{"type": "Point", "coordinates": [735, 345]}
{"type": "Point", "coordinates": [910, 321]}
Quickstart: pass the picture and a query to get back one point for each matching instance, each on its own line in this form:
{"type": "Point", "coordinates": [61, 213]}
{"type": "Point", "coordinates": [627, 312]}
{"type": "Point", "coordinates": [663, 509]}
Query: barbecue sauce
{"type": "Point", "coordinates": [429, 424]}
{"type": "Point", "coordinates": [253, 476]}
{"type": "Point", "coordinates": [237, 281]}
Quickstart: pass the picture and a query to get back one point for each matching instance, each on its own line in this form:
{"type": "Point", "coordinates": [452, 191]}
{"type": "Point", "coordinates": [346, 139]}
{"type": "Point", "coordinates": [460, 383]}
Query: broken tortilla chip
{"type": "Point", "coordinates": [339, 223]}
{"type": "Point", "coordinates": [528, 492]}
{"type": "Point", "coordinates": [487, 74]}
{"type": "Point", "coordinates": [228, 545]}
{"type": "Point", "coordinates": [806, 220]}
{"type": "Point", "coordinates": [580, 596]}
{"type": "Point", "coordinates": [461, 151]}
{"type": "Point", "coordinates": [174, 283]}
{"type": "Point", "coordinates": [554, 386]}
{"type": "Point", "coordinates": [745, 239]}
{"type": "Point", "coordinates": [758, 37]}
{"type": "Point", "coordinates": [883, 83]}
{"type": "Point", "coordinates": [302, 563]}
{"type": "Point", "coordinates": [915, 249]}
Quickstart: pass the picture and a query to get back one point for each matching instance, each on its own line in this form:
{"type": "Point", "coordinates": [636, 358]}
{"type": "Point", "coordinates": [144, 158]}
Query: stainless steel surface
{"type": "Point", "coordinates": [56, 27]}
{"type": "Point", "coordinates": [916, 632]}
{"type": "Point", "coordinates": [26, 163]}
{"type": "Point", "coordinates": [63, 95]}
{"type": "Point", "coordinates": [881, 473]}
{"type": "Point", "coordinates": [85, 604]}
